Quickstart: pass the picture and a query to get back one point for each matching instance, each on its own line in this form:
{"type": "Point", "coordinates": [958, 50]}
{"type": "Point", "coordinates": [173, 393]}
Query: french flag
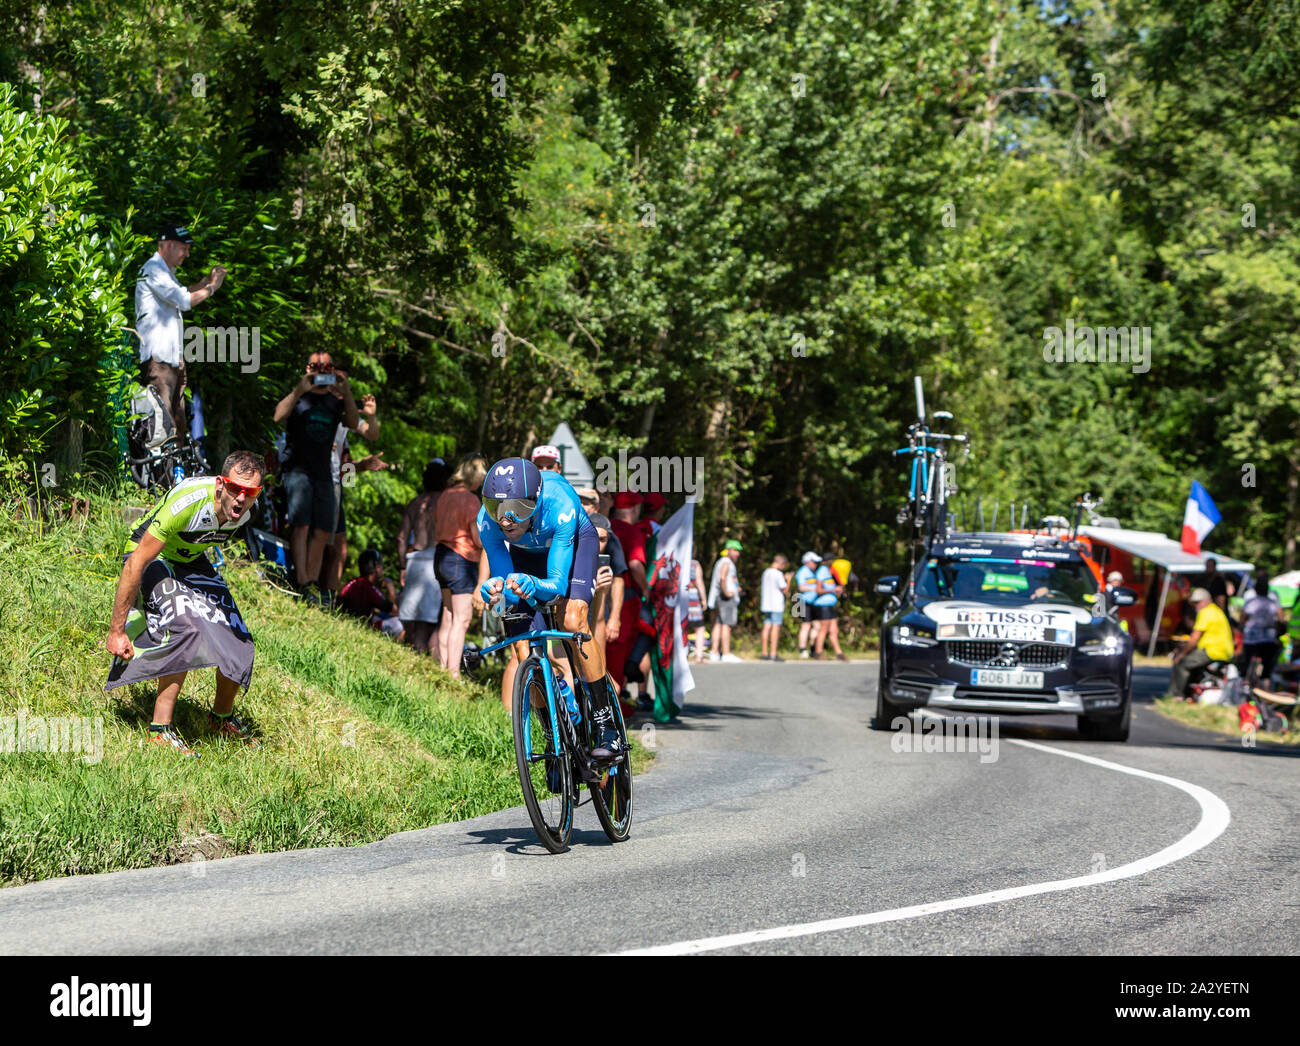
{"type": "Point", "coordinates": [1199, 518]}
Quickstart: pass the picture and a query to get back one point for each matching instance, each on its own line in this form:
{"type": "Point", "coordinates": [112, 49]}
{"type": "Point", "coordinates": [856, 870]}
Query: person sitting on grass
{"type": "Point", "coordinates": [361, 596]}
{"type": "Point", "coordinates": [172, 611]}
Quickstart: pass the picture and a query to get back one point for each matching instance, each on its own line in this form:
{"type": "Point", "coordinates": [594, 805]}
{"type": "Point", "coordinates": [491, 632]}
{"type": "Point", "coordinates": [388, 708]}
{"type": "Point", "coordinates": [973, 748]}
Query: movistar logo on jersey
{"type": "Point", "coordinates": [566, 516]}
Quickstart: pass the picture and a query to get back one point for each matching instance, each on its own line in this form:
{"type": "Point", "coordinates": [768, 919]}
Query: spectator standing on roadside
{"type": "Point", "coordinates": [1261, 615]}
{"type": "Point", "coordinates": [159, 301]}
{"type": "Point", "coordinates": [458, 557]}
{"type": "Point", "coordinates": [695, 599]}
{"type": "Point", "coordinates": [362, 598]}
{"type": "Point", "coordinates": [824, 611]}
{"type": "Point", "coordinates": [653, 512]}
{"type": "Point", "coordinates": [311, 415]}
{"type": "Point", "coordinates": [1216, 585]}
{"type": "Point", "coordinates": [421, 602]}
{"type": "Point", "coordinates": [546, 458]}
{"type": "Point", "coordinates": [607, 604]}
{"type": "Point", "coordinates": [627, 512]}
{"type": "Point", "coordinates": [724, 600]}
{"type": "Point", "coordinates": [776, 582]}
{"type": "Point", "coordinates": [805, 580]}
{"type": "Point", "coordinates": [336, 554]}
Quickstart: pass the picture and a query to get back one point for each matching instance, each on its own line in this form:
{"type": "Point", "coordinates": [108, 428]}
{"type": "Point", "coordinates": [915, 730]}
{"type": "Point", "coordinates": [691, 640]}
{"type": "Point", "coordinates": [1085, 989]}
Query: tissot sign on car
{"type": "Point", "coordinates": [1040, 626]}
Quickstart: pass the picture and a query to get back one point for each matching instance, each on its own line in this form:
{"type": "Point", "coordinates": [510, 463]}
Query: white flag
{"type": "Point", "coordinates": [676, 538]}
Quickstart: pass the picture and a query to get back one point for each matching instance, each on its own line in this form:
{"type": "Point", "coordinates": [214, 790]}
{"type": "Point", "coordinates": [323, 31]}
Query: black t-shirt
{"type": "Point", "coordinates": [309, 435]}
{"type": "Point", "coordinates": [1216, 586]}
{"type": "Point", "coordinates": [617, 561]}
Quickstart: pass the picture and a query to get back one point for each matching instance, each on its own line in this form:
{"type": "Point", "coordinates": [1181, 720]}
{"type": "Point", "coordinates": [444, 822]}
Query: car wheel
{"type": "Point", "coordinates": [886, 710]}
{"type": "Point", "coordinates": [1108, 728]}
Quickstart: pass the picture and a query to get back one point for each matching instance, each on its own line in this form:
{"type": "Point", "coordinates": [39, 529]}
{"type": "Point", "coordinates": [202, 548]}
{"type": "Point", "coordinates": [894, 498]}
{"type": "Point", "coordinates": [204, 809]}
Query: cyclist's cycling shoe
{"type": "Point", "coordinates": [233, 727]}
{"type": "Point", "coordinates": [167, 735]}
{"type": "Point", "coordinates": [609, 745]}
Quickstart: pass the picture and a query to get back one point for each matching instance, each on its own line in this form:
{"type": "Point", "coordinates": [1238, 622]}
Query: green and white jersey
{"type": "Point", "coordinates": [186, 521]}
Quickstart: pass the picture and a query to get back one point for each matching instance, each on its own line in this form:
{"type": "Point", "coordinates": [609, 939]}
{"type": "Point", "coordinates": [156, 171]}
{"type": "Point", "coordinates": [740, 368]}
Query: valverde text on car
{"type": "Point", "coordinates": [1006, 623]}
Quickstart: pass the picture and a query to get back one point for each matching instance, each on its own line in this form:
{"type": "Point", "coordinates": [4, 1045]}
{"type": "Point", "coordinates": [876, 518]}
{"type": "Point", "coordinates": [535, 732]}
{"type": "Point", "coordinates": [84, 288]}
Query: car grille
{"type": "Point", "coordinates": [988, 654]}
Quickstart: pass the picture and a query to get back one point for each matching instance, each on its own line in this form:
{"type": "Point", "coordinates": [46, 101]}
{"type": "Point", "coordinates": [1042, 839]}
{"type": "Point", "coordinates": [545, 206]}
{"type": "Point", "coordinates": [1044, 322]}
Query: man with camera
{"type": "Point", "coordinates": [311, 415]}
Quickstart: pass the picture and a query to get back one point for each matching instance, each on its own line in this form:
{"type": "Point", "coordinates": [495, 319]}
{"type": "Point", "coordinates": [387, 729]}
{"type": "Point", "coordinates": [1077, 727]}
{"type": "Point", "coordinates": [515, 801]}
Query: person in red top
{"type": "Point", "coordinates": [627, 511]}
{"type": "Point", "coordinates": [361, 597]}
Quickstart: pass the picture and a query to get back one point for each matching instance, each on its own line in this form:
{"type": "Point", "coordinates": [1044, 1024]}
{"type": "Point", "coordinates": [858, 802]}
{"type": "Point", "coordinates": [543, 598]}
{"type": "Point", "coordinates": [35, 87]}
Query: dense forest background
{"type": "Point", "coordinates": [714, 228]}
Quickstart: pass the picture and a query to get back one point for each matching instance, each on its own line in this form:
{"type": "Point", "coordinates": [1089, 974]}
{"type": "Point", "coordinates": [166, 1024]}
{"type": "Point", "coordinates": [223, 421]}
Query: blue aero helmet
{"type": "Point", "coordinates": [511, 489]}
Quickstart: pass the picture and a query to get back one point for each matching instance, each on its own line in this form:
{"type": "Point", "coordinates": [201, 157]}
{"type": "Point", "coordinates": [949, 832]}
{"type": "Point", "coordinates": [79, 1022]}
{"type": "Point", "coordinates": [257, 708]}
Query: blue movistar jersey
{"type": "Point", "coordinates": [557, 522]}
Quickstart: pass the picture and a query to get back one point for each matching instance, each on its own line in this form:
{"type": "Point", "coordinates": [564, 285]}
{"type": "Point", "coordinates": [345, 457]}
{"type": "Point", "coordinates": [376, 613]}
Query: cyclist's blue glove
{"type": "Point", "coordinates": [527, 584]}
{"type": "Point", "coordinates": [485, 589]}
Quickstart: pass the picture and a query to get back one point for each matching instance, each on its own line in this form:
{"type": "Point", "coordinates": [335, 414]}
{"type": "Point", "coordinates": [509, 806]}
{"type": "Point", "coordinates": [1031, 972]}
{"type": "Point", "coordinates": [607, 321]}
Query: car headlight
{"type": "Point", "coordinates": [906, 635]}
{"type": "Point", "coordinates": [1108, 647]}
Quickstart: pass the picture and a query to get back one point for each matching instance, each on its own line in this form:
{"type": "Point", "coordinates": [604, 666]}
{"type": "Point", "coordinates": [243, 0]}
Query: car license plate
{"type": "Point", "coordinates": [1009, 677]}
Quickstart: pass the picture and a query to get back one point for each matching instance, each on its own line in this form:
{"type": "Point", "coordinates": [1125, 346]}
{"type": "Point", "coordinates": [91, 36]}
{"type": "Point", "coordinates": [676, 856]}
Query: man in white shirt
{"type": "Point", "coordinates": [159, 301]}
{"type": "Point", "coordinates": [1262, 618]}
{"type": "Point", "coordinates": [776, 582]}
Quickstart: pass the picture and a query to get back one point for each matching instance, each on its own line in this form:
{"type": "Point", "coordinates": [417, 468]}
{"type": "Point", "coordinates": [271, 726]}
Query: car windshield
{"type": "Point", "coordinates": [1007, 582]}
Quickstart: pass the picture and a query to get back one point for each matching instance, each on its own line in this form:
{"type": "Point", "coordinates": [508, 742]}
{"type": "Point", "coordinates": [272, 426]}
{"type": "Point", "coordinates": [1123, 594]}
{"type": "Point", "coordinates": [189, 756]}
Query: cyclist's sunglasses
{"type": "Point", "coordinates": [317, 368]}
{"type": "Point", "coordinates": [239, 490]}
{"type": "Point", "coordinates": [511, 510]}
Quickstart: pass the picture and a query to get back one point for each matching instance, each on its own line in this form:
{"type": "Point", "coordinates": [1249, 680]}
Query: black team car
{"type": "Point", "coordinates": [1010, 624]}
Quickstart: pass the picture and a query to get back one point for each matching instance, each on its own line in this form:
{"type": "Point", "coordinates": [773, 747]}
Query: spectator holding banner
{"type": "Point", "coordinates": [173, 612]}
{"type": "Point", "coordinates": [627, 513]}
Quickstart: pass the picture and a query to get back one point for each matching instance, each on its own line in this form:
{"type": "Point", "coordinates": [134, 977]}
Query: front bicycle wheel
{"type": "Point", "coordinates": [612, 795]}
{"type": "Point", "coordinates": [549, 808]}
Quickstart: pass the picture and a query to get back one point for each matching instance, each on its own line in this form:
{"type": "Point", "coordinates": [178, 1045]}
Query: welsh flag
{"type": "Point", "coordinates": [1199, 518]}
{"type": "Point", "coordinates": [668, 579]}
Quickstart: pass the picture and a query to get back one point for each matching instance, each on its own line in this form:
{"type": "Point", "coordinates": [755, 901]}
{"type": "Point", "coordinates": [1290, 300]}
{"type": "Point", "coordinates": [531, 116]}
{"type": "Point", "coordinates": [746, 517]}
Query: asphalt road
{"type": "Point", "coordinates": [772, 805]}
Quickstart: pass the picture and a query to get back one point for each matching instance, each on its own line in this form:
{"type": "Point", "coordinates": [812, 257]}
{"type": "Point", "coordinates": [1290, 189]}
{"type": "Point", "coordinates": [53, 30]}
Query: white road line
{"type": "Point", "coordinates": [1215, 817]}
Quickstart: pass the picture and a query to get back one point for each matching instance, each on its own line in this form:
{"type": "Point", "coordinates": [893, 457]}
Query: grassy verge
{"type": "Point", "coordinates": [360, 738]}
{"type": "Point", "coordinates": [1218, 718]}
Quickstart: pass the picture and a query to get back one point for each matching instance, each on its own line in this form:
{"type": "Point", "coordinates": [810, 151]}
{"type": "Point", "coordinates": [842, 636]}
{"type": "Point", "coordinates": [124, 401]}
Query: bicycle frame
{"type": "Point", "coordinates": [537, 641]}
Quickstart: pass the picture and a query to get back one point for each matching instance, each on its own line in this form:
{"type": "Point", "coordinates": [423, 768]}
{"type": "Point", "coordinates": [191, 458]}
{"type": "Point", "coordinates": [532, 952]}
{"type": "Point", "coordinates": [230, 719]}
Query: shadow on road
{"type": "Point", "coordinates": [522, 840]}
{"type": "Point", "coordinates": [714, 717]}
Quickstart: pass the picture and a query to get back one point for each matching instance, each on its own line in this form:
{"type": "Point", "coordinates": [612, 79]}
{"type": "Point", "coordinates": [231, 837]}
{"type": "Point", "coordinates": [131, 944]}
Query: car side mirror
{"type": "Point", "coordinates": [1124, 597]}
{"type": "Point", "coordinates": [888, 586]}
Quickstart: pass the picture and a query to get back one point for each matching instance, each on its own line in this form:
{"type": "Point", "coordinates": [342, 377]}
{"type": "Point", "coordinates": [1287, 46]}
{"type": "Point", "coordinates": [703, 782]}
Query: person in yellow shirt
{"type": "Point", "coordinates": [1211, 640]}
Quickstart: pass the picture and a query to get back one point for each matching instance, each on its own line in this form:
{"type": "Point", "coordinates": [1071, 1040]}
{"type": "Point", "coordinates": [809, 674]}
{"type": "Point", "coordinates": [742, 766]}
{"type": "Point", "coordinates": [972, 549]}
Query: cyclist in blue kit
{"type": "Point", "coordinates": [541, 546]}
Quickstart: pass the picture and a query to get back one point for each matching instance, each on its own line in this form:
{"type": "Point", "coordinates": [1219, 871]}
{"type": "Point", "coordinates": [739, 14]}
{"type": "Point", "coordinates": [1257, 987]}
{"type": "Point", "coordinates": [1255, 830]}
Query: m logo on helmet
{"type": "Point", "coordinates": [505, 470]}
